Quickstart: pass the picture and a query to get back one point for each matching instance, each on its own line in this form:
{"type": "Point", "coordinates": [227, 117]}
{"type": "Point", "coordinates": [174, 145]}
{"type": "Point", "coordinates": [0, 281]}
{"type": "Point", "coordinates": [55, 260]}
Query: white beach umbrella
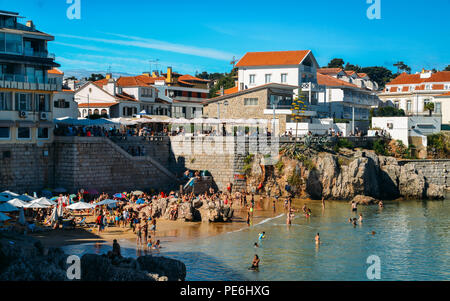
{"type": "Point", "coordinates": [17, 203]}
{"type": "Point", "coordinates": [9, 194]}
{"type": "Point", "coordinates": [80, 206]}
{"type": "Point", "coordinates": [44, 201]}
{"type": "Point", "coordinates": [105, 202]}
{"type": "Point", "coordinates": [34, 205]}
{"type": "Point", "coordinates": [6, 207]}
{"type": "Point", "coordinates": [4, 217]}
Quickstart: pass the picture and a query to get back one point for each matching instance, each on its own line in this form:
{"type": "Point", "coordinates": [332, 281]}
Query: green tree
{"type": "Point", "coordinates": [447, 68]}
{"type": "Point", "coordinates": [401, 66]}
{"type": "Point", "coordinates": [387, 112]}
{"type": "Point", "coordinates": [226, 80]}
{"type": "Point", "coordinates": [95, 77]}
{"type": "Point", "coordinates": [336, 63]}
{"type": "Point", "coordinates": [350, 67]}
{"type": "Point", "coordinates": [430, 107]}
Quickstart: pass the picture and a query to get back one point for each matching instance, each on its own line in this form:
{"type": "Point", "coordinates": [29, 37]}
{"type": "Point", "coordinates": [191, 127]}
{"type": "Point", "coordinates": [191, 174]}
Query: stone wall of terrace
{"type": "Point", "coordinates": [26, 168]}
{"type": "Point", "coordinates": [435, 171]}
{"type": "Point", "coordinates": [94, 162]}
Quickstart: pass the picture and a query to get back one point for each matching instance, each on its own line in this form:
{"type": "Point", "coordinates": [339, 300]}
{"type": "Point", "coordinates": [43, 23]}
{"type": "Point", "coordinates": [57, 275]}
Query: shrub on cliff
{"type": "Point", "coordinates": [439, 145]}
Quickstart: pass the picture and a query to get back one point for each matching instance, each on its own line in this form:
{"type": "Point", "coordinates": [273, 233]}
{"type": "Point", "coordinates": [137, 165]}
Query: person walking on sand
{"type": "Point", "coordinates": [153, 228]}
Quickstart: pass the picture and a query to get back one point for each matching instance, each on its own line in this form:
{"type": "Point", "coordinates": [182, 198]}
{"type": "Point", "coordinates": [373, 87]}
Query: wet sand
{"type": "Point", "coordinates": [167, 231]}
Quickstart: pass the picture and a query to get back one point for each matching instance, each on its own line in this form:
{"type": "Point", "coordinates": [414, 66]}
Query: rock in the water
{"type": "Point", "coordinates": [365, 200]}
{"type": "Point", "coordinates": [435, 192]}
{"type": "Point", "coordinates": [173, 269]}
{"type": "Point", "coordinates": [411, 182]}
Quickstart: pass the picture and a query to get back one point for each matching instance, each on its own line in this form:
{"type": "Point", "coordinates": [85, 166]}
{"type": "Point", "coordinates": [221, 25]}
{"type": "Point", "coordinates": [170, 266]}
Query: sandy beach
{"type": "Point", "coordinates": [167, 231]}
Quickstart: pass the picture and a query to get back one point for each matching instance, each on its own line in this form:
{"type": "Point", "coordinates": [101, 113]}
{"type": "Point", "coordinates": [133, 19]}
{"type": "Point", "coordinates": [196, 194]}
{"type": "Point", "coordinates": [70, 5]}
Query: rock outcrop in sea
{"type": "Point", "coordinates": [196, 210]}
{"type": "Point", "coordinates": [26, 259]}
{"type": "Point", "coordinates": [342, 177]}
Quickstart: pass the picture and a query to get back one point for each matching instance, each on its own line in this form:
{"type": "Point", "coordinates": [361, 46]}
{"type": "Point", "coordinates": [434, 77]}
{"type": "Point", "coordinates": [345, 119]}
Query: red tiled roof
{"type": "Point", "coordinates": [362, 74]}
{"type": "Point", "coordinates": [438, 87]}
{"type": "Point", "coordinates": [349, 72]}
{"type": "Point", "coordinates": [327, 80]}
{"type": "Point", "coordinates": [55, 71]}
{"type": "Point", "coordinates": [329, 70]}
{"type": "Point", "coordinates": [229, 91]}
{"type": "Point", "coordinates": [188, 77]}
{"type": "Point", "coordinates": [97, 105]}
{"type": "Point", "coordinates": [404, 78]}
{"type": "Point", "coordinates": [273, 58]}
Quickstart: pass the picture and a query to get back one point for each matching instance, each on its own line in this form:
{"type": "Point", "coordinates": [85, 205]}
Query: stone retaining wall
{"type": "Point", "coordinates": [25, 168]}
{"type": "Point", "coordinates": [99, 163]}
{"type": "Point", "coordinates": [435, 171]}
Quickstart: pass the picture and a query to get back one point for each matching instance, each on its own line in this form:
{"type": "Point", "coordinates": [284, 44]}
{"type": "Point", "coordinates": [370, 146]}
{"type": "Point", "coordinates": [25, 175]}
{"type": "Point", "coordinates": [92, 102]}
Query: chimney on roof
{"type": "Point", "coordinates": [169, 78]}
{"type": "Point", "coordinates": [111, 86]}
{"type": "Point", "coordinates": [108, 75]}
{"type": "Point", "coordinates": [155, 73]}
{"type": "Point", "coordinates": [222, 91]}
{"type": "Point", "coordinates": [146, 74]}
{"type": "Point", "coordinates": [30, 24]}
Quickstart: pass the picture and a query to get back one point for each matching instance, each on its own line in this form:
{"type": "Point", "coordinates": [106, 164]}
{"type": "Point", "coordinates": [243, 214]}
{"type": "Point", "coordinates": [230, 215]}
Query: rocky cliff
{"type": "Point", "coordinates": [343, 176]}
{"type": "Point", "coordinates": [25, 259]}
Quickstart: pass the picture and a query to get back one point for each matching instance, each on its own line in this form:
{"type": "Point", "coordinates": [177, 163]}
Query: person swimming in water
{"type": "Point", "coordinates": [360, 218]}
{"type": "Point", "coordinates": [256, 245]}
{"type": "Point", "coordinates": [354, 206]}
{"type": "Point", "coordinates": [255, 263]}
{"type": "Point", "coordinates": [354, 222]}
{"type": "Point", "coordinates": [317, 238]}
{"type": "Point", "coordinates": [380, 204]}
{"type": "Point", "coordinates": [262, 235]}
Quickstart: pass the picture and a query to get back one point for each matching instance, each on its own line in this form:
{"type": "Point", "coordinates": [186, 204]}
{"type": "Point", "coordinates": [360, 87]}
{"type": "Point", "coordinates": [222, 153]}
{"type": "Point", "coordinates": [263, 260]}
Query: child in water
{"type": "Point", "coordinates": [262, 235]}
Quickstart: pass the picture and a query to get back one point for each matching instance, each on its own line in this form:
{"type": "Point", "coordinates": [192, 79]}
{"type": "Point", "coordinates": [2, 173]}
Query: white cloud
{"type": "Point", "coordinates": [155, 44]}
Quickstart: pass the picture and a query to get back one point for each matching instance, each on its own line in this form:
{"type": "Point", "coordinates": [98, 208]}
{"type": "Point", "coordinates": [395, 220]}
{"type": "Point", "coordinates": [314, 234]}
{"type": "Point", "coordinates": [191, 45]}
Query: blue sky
{"type": "Point", "coordinates": [200, 36]}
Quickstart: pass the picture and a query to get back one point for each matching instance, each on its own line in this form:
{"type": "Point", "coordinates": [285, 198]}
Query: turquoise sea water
{"type": "Point", "coordinates": [412, 241]}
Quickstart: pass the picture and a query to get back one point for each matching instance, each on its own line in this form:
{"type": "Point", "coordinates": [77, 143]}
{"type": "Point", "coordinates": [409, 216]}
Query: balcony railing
{"type": "Point", "coordinates": [23, 82]}
{"type": "Point", "coordinates": [33, 53]}
{"type": "Point", "coordinates": [26, 79]}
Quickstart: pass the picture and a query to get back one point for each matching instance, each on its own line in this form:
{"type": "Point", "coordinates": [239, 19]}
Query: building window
{"type": "Point", "coordinates": [252, 78]}
{"type": "Point", "coordinates": [42, 133]}
{"type": "Point", "coordinates": [42, 102]}
{"type": "Point", "coordinates": [427, 87]}
{"type": "Point", "coordinates": [13, 43]}
{"type": "Point", "coordinates": [396, 104]}
{"type": "Point", "coordinates": [408, 106]}
{"type": "Point", "coordinates": [437, 107]}
{"type": "Point", "coordinates": [268, 78]}
{"type": "Point", "coordinates": [62, 104]}
{"type": "Point", "coordinates": [5, 101]}
{"type": "Point", "coordinates": [250, 101]}
{"type": "Point", "coordinates": [284, 78]}
{"type": "Point", "coordinates": [5, 133]}
{"type": "Point", "coordinates": [104, 112]}
{"type": "Point", "coordinates": [96, 112]}
{"type": "Point", "coordinates": [23, 102]}
{"type": "Point", "coordinates": [23, 133]}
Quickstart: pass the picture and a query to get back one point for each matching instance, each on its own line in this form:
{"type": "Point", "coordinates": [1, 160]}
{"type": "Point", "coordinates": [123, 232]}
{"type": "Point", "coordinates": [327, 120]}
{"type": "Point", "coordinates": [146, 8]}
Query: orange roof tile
{"type": "Point", "coordinates": [327, 80]}
{"type": "Point", "coordinates": [97, 105]}
{"type": "Point", "coordinates": [362, 74]}
{"type": "Point", "coordinates": [188, 77]}
{"type": "Point", "coordinates": [404, 78]}
{"type": "Point", "coordinates": [329, 70]}
{"type": "Point", "coordinates": [438, 87]}
{"type": "Point", "coordinates": [272, 58]}
{"type": "Point", "coordinates": [349, 72]}
{"type": "Point", "coordinates": [55, 71]}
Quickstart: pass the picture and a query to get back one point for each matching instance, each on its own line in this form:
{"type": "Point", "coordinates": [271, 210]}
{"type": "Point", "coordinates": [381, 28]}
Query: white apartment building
{"type": "Point", "coordinates": [25, 88]}
{"type": "Point", "coordinates": [342, 99]}
{"type": "Point", "coordinates": [297, 68]}
{"type": "Point", "coordinates": [411, 92]}
{"type": "Point", "coordinates": [63, 101]}
{"type": "Point", "coordinates": [361, 80]}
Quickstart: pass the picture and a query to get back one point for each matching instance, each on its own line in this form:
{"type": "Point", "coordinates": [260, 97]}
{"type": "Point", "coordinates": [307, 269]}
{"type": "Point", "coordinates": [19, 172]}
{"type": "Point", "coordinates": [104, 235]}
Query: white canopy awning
{"type": "Point", "coordinates": [80, 206]}
{"type": "Point", "coordinates": [17, 203]}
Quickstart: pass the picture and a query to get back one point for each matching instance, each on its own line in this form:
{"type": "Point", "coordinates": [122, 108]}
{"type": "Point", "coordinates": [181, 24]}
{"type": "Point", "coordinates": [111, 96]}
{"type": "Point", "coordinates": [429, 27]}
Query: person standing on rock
{"type": "Point", "coordinates": [116, 249]}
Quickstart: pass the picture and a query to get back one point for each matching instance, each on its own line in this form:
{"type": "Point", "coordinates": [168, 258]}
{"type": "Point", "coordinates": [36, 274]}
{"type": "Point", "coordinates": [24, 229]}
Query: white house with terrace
{"type": "Point", "coordinates": [411, 92]}
{"type": "Point", "coordinates": [108, 98]}
{"type": "Point", "coordinates": [297, 68]}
